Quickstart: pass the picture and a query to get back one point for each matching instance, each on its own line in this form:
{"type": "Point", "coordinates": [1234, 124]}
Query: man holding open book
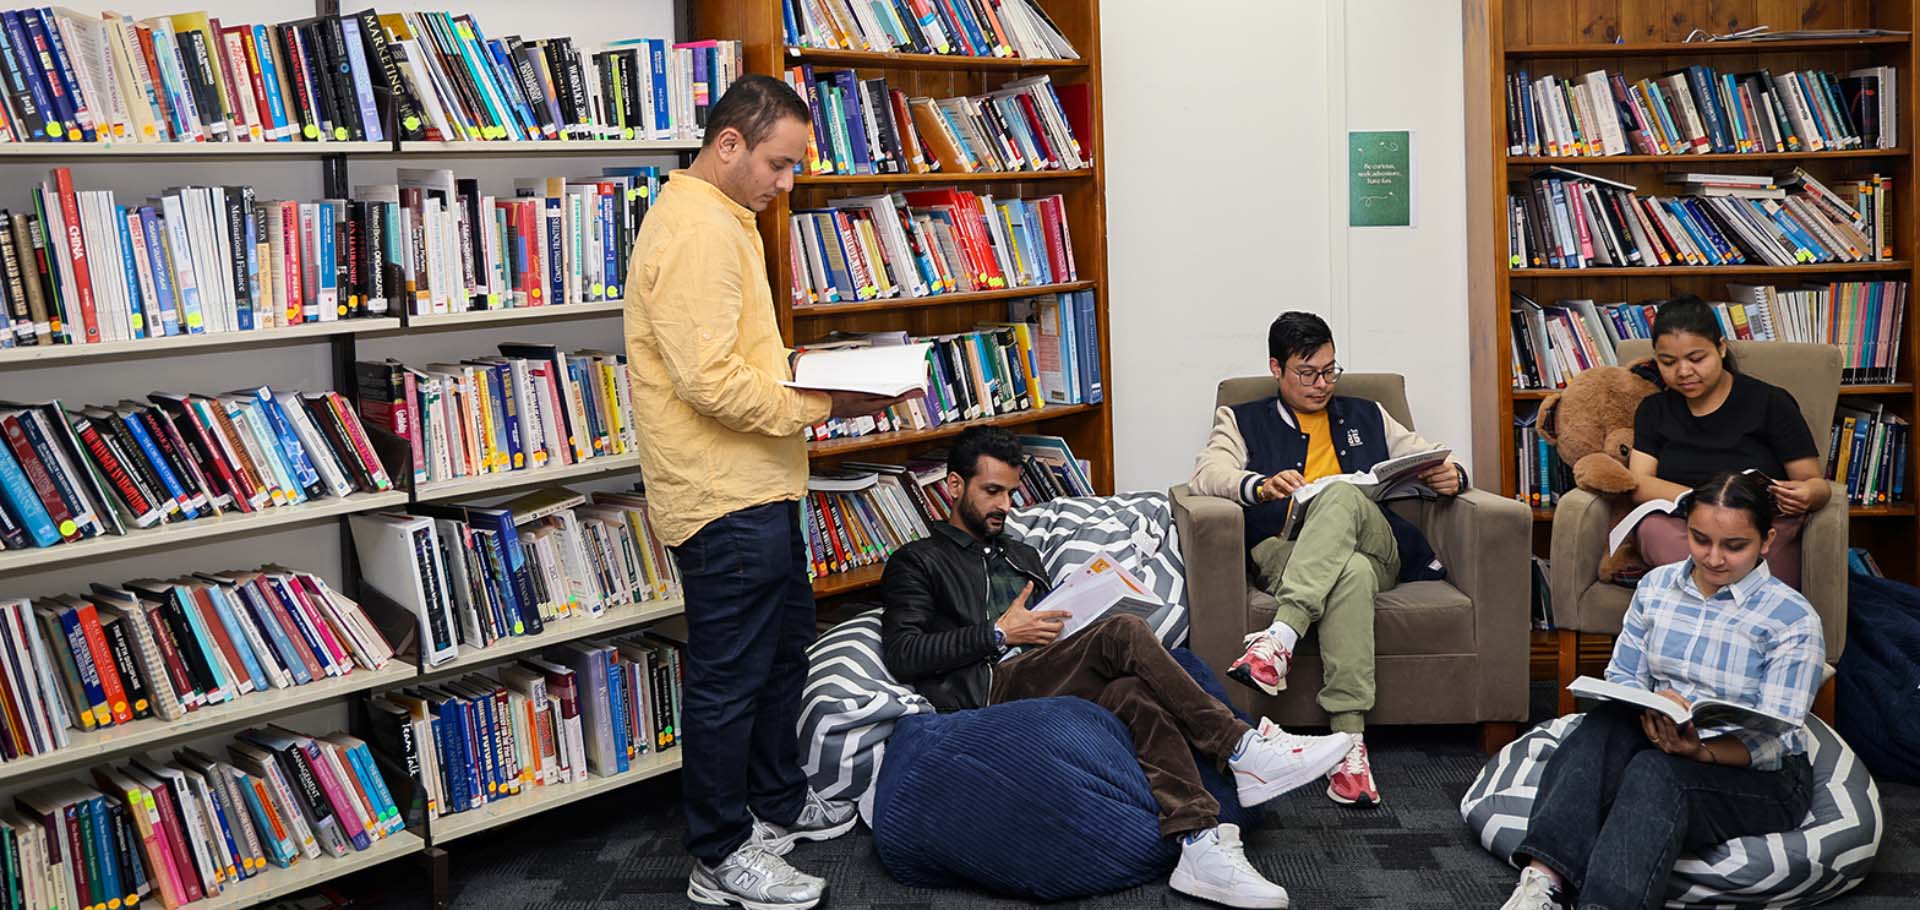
{"type": "Point", "coordinates": [725, 467]}
{"type": "Point", "coordinates": [960, 602]}
{"type": "Point", "coordinates": [1312, 469]}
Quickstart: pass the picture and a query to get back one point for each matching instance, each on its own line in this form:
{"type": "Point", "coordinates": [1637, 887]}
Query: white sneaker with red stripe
{"type": "Point", "coordinates": [1350, 783]}
{"type": "Point", "coordinates": [1273, 761]}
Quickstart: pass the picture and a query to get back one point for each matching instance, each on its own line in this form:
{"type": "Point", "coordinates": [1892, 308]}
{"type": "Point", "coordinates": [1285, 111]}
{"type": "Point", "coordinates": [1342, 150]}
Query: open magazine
{"type": "Point", "coordinates": [1096, 590]}
{"type": "Point", "coordinates": [1707, 712]}
{"type": "Point", "coordinates": [883, 370]}
{"type": "Point", "coordinates": [1393, 478]}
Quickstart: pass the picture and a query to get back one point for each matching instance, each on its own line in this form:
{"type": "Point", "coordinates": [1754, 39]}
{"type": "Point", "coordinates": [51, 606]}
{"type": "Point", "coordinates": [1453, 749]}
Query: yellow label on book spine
{"type": "Point", "coordinates": [411, 123]}
{"type": "Point", "coordinates": [310, 131]}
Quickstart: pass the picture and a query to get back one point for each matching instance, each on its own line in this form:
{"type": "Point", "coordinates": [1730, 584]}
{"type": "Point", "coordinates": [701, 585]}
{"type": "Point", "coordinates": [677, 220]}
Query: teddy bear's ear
{"type": "Point", "coordinates": [1545, 424]}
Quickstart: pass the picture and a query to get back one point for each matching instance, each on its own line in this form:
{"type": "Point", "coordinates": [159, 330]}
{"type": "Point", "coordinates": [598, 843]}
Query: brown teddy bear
{"type": "Point", "coordinates": [1591, 424]}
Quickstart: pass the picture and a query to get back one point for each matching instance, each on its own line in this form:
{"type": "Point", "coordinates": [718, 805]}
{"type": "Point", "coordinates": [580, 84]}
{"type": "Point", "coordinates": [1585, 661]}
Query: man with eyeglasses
{"type": "Point", "coordinates": [1348, 550]}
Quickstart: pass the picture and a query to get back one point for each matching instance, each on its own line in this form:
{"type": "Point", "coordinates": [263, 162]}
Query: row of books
{"type": "Point", "coordinates": [165, 648]}
{"type": "Point", "coordinates": [1542, 606]}
{"type": "Point", "coordinates": [861, 512]}
{"type": "Point", "coordinates": [972, 28]}
{"type": "Point", "coordinates": [178, 832]}
{"type": "Point", "coordinates": [462, 577]}
{"type": "Point", "coordinates": [1861, 562]}
{"type": "Point", "coordinates": [1540, 477]}
{"type": "Point", "coordinates": [535, 406]}
{"type": "Point", "coordinates": [583, 709]}
{"type": "Point", "coordinates": [1566, 219]}
{"type": "Point", "coordinates": [1864, 319]}
{"type": "Point", "coordinates": [1697, 110]}
{"type": "Point", "coordinates": [214, 259]}
{"type": "Point", "coordinates": [366, 76]}
{"type": "Point", "coordinates": [1867, 452]}
{"type": "Point", "coordinates": [1046, 354]}
{"type": "Point", "coordinates": [862, 126]}
{"type": "Point", "coordinates": [67, 475]}
{"type": "Point", "coordinates": [921, 243]}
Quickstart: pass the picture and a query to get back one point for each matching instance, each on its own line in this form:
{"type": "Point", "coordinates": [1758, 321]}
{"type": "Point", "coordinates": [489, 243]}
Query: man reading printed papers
{"type": "Point", "coordinates": [956, 603]}
{"type": "Point", "coordinates": [1350, 548]}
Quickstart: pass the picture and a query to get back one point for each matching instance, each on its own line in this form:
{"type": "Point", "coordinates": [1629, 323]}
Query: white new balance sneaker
{"type": "Point", "coordinates": [1213, 866]}
{"type": "Point", "coordinates": [1275, 761]}
{"type": "Point", "coordinates": [754, 879]}
{"type": "Point", "coordinates": [819, 820]}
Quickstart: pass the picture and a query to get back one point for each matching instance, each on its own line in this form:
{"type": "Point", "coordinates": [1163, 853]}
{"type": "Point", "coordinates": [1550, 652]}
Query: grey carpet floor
{"type": "Point", "coordinates": [1411, 853]}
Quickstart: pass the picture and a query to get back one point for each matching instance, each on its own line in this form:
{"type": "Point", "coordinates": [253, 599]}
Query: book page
{"type": "Point", "coordinates": [886, 370]}
{"type": "Point", "coordinates": [1618, 535]}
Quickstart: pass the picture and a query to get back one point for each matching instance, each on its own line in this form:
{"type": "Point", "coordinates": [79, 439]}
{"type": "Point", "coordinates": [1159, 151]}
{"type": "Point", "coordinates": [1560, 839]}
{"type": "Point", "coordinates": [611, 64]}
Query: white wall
{"type": "Point", "coordinates": [1226, 205]}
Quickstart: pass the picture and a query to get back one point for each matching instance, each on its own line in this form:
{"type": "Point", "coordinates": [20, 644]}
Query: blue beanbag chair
{"type": "Point", "coordinates": [1040, 799]}
{"type": "Point", "coordinates": [1877, 704]}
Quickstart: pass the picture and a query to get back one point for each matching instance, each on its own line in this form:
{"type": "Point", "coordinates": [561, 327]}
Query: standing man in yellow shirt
{"type": "Point", "coordinates": [725, 467]}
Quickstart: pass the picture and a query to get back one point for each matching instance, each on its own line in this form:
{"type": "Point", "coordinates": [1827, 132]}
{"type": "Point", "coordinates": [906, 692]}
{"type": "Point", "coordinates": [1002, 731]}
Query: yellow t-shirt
{"type": "Point", "coordinates": [1322, 461]}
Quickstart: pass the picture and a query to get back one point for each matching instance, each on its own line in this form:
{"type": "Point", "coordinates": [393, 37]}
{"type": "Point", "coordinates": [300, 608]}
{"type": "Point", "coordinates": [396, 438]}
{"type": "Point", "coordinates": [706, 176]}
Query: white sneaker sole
{"type": "Point", "coordinates": [1313, 767]}
{"type": "Point", "coordinates": [1362, 802]}
{"type": "Point", "coordinates": [1207, 891]}
{"type": "Point", "coordinates": [714, 897]}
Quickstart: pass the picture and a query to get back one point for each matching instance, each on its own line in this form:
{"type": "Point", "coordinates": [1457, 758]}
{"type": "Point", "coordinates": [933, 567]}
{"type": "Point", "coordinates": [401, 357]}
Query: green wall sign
{"type": "Point", "coordinates": [1379, 178]}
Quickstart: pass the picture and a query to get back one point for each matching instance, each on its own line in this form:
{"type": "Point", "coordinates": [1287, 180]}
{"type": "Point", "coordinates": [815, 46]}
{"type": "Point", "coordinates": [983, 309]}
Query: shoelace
{"type": "Point", "coordinates": [1536, 888]}
{"type": "Point", "coordinates": [1356, 761]}
{"type": "Point", "coordinates": [1266, 647]}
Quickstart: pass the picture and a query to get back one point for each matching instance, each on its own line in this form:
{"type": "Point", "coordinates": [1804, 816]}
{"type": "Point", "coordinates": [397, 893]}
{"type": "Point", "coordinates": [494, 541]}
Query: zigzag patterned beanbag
{"type": "Point", "coordinates": [1829, 854]}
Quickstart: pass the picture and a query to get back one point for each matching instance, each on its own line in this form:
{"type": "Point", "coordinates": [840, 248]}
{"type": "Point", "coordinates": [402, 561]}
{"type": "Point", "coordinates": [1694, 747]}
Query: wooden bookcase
{"type": "Point", "coordinates": [1641, 38]}
{"type": "Point", "coordinates": [1088, 428]}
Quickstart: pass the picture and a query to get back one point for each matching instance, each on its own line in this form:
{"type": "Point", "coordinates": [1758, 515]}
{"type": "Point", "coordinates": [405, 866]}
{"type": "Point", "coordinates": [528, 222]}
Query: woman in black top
{"type": "Point", "coordinates": [1709, 419]}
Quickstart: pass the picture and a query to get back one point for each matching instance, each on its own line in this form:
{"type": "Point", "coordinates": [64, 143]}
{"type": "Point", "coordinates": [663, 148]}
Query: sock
{"type": "Point", "coordinates": [1285, 635]}
{"type": "Point", "coordinates": [1240, 749]}
{"type": "Point", "coordinates": [1195, 836]}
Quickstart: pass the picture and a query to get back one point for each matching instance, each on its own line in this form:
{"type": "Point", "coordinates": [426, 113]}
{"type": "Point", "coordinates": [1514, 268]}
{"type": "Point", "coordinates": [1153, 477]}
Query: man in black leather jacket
{"type": "Point", "coordinates": [956, 603]}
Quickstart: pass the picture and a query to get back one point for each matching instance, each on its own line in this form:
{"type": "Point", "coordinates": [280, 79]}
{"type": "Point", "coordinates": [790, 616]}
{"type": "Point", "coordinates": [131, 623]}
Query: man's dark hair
{"type": "Point", "coordinates": [1297, 333]}
{"type": "Point", "coordinates": [973, 442]}
{"type": "Point", "coordinates": [753, 105]}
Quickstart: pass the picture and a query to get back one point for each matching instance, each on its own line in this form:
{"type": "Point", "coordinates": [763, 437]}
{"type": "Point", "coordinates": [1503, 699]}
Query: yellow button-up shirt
{"type": "Point", "coordinates": [718, 432]}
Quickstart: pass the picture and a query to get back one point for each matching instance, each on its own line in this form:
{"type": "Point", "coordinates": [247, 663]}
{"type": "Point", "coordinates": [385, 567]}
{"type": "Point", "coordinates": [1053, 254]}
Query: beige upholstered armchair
{"type": "Point", "coordinates": [1583, 605]}
{"type": "Point", "coordinates": [1447, 652]}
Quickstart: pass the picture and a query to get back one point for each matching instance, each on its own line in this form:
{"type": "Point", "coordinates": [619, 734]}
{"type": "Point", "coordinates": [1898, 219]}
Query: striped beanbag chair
{"type": "Point", "coordinates": [848, 709]}
{"type": "Point", "coordinates": [1137, 528]}
{"type": "Point", "coordinates": [1829, 854]}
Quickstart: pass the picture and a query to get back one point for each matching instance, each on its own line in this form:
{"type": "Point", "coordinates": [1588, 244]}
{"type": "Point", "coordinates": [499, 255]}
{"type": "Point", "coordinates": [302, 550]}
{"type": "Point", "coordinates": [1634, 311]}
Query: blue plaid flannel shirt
{"type": "Point", "coordinates": [1756, 642]}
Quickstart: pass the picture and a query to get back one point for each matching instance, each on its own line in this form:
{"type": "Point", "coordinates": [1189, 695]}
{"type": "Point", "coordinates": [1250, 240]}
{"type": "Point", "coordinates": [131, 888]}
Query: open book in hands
{"type": "Point", "coordinates": [1618, 535]}
{"type": "Point", "coordinates": [1393, 478]}
{"type": "Point", "coordinates": [886, 371]}
{"type": "Point", "coordinates": [1097, 590]}
{"type": "Point", "coordinates": [1707, 712]}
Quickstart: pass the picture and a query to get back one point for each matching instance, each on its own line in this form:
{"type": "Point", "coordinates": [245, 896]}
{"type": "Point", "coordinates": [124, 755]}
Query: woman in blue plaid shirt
{"type": "Point", "coordinates": [1629, 790]}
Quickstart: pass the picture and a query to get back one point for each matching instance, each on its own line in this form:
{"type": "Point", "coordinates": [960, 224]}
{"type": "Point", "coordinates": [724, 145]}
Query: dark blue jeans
{"type": "Point", "coordinates": [1614, 812]}
{"type": "Point", "coordinates": [750, 617]}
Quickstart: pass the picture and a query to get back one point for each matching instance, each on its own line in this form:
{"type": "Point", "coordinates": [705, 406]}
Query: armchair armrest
{"type": "Point", "coordinates": [1580, 525]}
{"type": "Point", "coordinates": [1213, 544]}
{"type": "Point", "coordinates": [1823, 568]}
{"type": "Point", "coordinates": [1484, 540]}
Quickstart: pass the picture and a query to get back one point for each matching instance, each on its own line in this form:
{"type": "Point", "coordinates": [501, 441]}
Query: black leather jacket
{"type": "Point", "coordinates": [935, 634]}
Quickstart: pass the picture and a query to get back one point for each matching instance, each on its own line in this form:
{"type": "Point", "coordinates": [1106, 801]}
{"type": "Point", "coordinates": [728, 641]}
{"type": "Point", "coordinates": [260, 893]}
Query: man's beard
{"type": "Point", "coordinates": [977, 522]}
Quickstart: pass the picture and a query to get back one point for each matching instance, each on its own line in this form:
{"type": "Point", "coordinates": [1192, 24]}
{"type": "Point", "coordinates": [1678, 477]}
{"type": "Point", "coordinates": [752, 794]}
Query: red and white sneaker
{"type": "Point", "coordinates": [1350, 783]}
{"type": "Point", "coordinates": [1265, 664]}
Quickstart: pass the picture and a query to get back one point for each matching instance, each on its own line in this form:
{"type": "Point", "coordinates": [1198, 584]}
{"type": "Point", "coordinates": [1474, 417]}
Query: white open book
{"type": "Point", "coordinates": [1618, 535]}
{"type": "Point", "coordinates": [1709, 712]}
{"type": "Point", "coordinates": [1393, 478]}
{"type": "Point", "coordinates": [884, 370]}
{"type": "Point", "coordinates": [1099, 589]}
